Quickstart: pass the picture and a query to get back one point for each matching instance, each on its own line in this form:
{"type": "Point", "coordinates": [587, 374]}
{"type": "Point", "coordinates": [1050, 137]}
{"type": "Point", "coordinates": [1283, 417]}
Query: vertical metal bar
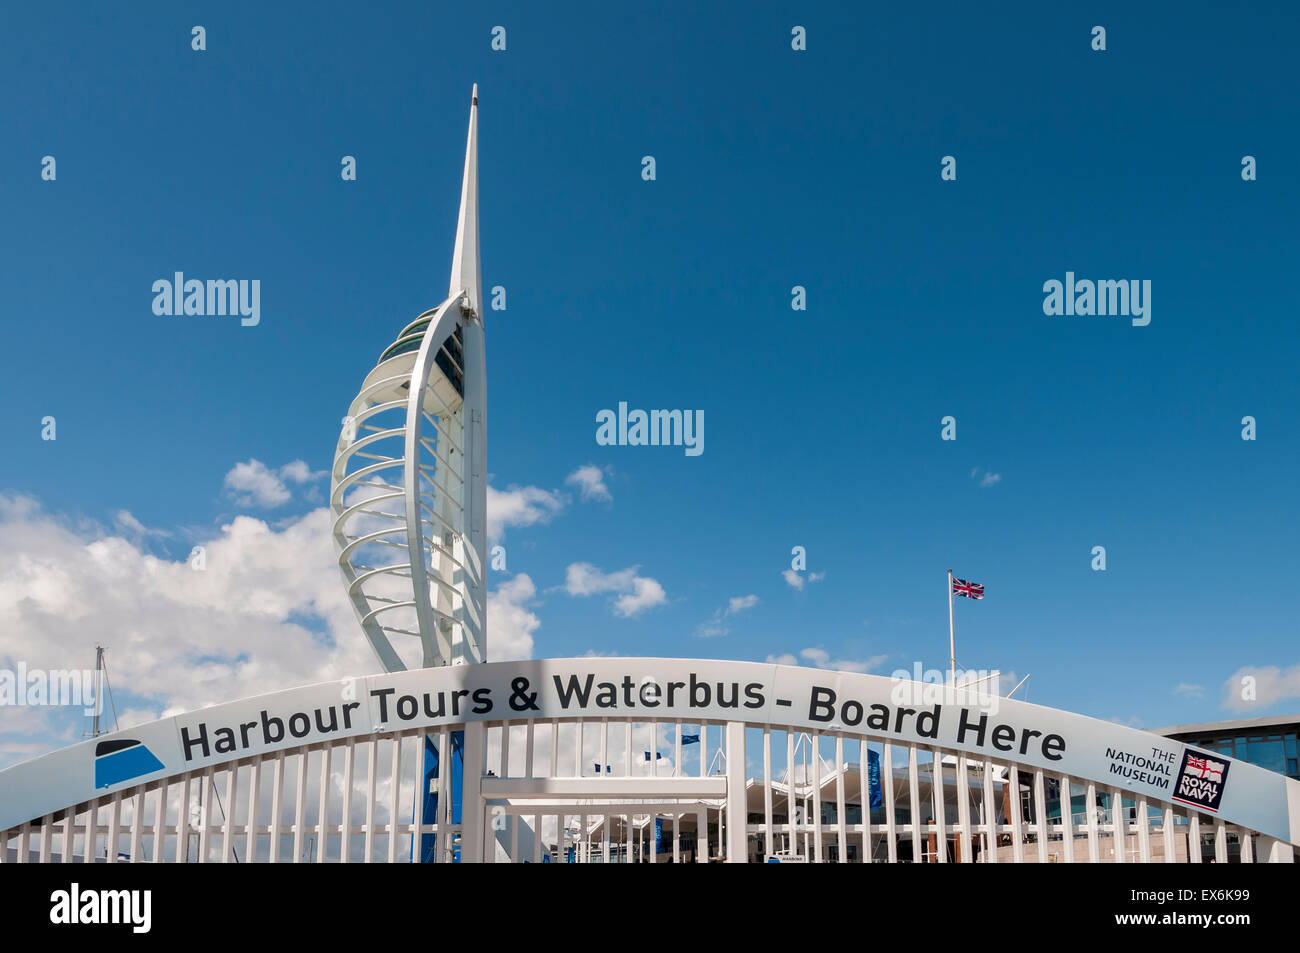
{"type": "Point", "coordinates": [1040, 813]}
{"type": "Point", "coordinates": [702, 823]}
{"type": "Point", "coordinates": [963, 810]}
{"type": "Point", "coordinates": [394, 799]}
{"type": "Point", "coordinates": [737, 813]}
{"type": "Point", "coordinates": [555, 748]}
{"type": "Point", "coordinates": [446, 839]}
{"type": "Point", "coordinates": [767, 793]}
{"type": "Point", "coordinates": [790, 806]}
{"type": "Point", "coordinates": [24, 843]}
{"type": "Point", "coordinates": [228, 828]}
{"type": "Point", "coordinates": [43, 848]}
{"type": "Point", "coordinates": [537, 838]}
{"type": "Point", "coordinates": [1067, 825]}
{"type": "Point", "coordinates": [505, 750]}
{"type": "Point", "coordinates": [67, 847]}
{"type": "Point", "coordinates": [207, 787]}
{"type": "Point", "coordinates": [1094, 852]}
{"type": "Point", "coordinates": [604, 754]}
{"type": "Point", "coordinates": [323, 807]}
{"type": "Point", "coordinates": [604, 837]}
{"type": "Point", "coordinates": [349, 777]}
{"type": "Point", "coordinates": [183, 823]}
{"type": "Point", "coordinates": [419, 790]}
{"type": "Point", "coordinates": [913, 778]}
{"type": "Point", "coordinates": [577, 749]}
{"type": "Point", "coordinates": [370, 798]}
{"type": "Point", "coordinates": [530, 739]}
{"type": "Point", "coordinates": [277, 794]}
{"type": "Point", "coordinates": [841, 832]}
{"type": "Point", "coordinates": [250, 836]}
{"type": "Point", "coordinates": [1168, 831]}
{"type": "Point", "coordinates": [159, 823]}
{"type": "Point", "coordinates": [137, 808]}
{"type": "Point", "coordinates": [1017, 821]}
{"type": "Point", "coordinates": [299, 806]}
{"type": "Point", "coordinates": [704, 749]}
{"type": "Point", "coordinates": [1119, 824]}
{"type": "Point", "coordinates": [1144, 831]}
{"type": "Point", "coordinates": [815, 744]}
{"type": "Point", "coordinates": [114, 828]}
{"type": "Point", "coordinates": [471, 849]}
{"type": "Point", "coordinates": [92, 832]}
{"type": "Point", "coordinates": [990, 816]}
{"type": "Point", "coordinates": [940, 815]}
{"type": "Point", "coordinates": [864, 798]}
{"type": "Point", "coordinates": [891, 822]}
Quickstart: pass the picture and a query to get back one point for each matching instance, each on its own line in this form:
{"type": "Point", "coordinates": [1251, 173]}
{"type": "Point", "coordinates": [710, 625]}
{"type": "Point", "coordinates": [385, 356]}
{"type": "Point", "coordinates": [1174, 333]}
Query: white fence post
{"type": "Point", "coordinates": [471, 808]}
{"type": "Point", "coordinates": [737, 815]}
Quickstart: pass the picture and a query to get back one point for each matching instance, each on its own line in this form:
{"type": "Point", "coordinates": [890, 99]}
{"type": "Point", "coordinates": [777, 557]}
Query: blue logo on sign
{"type": "Point", "coordinates": [121, 760]}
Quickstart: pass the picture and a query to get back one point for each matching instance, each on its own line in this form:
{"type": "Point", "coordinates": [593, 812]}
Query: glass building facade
{"type": "Point", "coordinates": [1269, 743]}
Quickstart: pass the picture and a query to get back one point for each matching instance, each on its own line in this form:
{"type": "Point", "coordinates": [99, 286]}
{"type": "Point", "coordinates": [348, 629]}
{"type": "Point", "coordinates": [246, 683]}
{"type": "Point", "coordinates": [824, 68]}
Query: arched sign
{"type": "Point", "coordinates": [649, 689]}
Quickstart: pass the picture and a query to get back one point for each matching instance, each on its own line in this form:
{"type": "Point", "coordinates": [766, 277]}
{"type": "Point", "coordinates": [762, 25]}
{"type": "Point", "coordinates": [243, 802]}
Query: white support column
{"type": "Point", "coordinates": [737, 847]}
{"type": "Point", "coordinates": [1270, 850]}
{"type": "Point", "coordinates": [471, 808]}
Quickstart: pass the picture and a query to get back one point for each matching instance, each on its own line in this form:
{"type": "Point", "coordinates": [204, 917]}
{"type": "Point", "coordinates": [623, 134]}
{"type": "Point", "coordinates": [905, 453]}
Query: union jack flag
{"type": "Point", "coordinates": [971, 590]}
{"type": "Point", "coordinates": [1213, 770]}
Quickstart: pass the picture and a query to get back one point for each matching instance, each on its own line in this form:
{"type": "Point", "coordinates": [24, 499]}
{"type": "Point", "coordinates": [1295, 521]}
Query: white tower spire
{"type": "Point", "coordinates": [464, 261]}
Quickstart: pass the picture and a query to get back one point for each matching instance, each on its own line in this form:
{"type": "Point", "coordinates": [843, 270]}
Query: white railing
{"type": "Point", "coordinates": [595, 789]}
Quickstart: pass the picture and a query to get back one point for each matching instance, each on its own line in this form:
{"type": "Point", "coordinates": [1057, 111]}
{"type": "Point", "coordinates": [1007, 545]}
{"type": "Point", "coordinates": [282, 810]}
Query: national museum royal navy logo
{"type": "Point", "coordinates": [121, 760]}
{"type": "Point", "coordinates": [1200, 781]}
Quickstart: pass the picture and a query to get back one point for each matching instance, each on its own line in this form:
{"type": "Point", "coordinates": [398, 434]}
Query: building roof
{"type": "Point", "coordinates": [1223, 727]}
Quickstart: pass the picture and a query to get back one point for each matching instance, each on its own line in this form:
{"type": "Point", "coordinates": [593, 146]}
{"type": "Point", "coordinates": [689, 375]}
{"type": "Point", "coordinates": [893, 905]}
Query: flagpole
{"type": "Point", "coordinates": [952, 650]}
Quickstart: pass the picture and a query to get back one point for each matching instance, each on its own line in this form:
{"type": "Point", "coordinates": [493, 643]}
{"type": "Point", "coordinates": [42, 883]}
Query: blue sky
{"type": "Point", "coordinates": [774, 168]}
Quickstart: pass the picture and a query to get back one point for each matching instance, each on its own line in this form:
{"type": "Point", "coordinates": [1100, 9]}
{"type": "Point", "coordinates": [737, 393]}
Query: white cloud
{"type": "Point", "coordinates": [297, 471]}
{"type": "Point", "coordinates": [635, 593]}
{"type": "Point", "coordinates": [520, 506]}
{"type": "Point", "coordinates": [740, 603]}
{"type": "Point", "coordinates": [510, 623]}
{"type": "Point", "coordinates": [590, 480]}
{"type": "Point", "coordinates": [1190, 691]}
{"type": "Point", "coordinates": [796, 579]}
{"type": "Point", "coordinates": [716, 625]}
{"type": "Point", "coordinates": [1258, 687]}
{"type": "Point", "coordinates": [268, 610]}
{"type": "Point", "coordinates": [820, 658]}
{"type": "Point", "coordinates": [254, 484]}
{"type": "Point", "coordinates": [988, 479]}
{"type": "Point", "coordinates": [124, 521]}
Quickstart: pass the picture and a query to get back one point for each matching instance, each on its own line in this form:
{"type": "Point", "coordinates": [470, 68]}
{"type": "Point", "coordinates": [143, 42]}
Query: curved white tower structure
{"type": "Point", "coordinates": [408, 486]}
